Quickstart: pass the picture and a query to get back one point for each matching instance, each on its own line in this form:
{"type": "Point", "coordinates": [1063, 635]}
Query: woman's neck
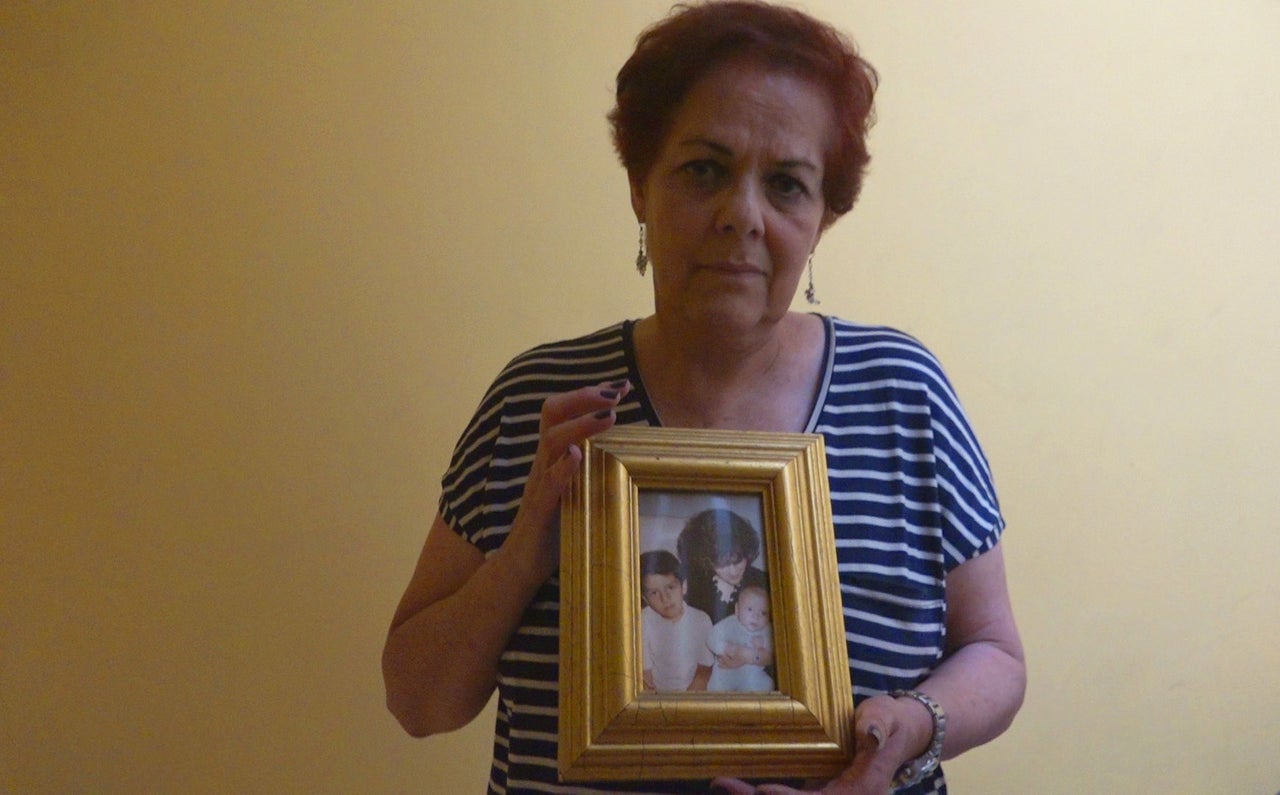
{"type": "Point", "coordinates": [766, 381]}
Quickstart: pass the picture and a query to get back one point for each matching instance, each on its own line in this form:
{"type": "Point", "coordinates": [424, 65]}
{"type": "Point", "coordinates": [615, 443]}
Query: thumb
{"type": "Point", "coordinates": [543, 500]}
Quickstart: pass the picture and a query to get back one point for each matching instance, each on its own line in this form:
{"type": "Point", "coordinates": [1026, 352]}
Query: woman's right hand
{"type": "Point", "coordinates": [737, 655]}
{"type": "Point", "coordinates": [567, 419]}
{"type": "Point", "coordinates": [434, 682]}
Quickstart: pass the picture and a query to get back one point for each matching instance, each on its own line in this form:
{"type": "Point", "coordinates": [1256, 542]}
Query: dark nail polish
{"type": "Point", "coordinates": [608, 394]}
{"type": "Point", "coordinates": [876, 735]}
{"type": "Point", "coordinates": [603, 414]}
{"type": "Point", "coordinates": [619, 384]}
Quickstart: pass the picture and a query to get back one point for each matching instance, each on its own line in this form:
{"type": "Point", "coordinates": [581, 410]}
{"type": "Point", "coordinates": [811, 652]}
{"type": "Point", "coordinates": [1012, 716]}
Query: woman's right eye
{"type": "Point", "coordinates": [702, 170]}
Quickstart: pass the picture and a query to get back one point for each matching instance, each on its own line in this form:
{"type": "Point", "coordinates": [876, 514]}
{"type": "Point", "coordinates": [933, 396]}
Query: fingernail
{"type": "Point", "coordinates": [876, 735]}
{"type": "Point", "coordinates": [603, 414]}
{"type": "Point", "coordinates": [608, 394]}
{"type": "Point", "coordinates": [619, 384]}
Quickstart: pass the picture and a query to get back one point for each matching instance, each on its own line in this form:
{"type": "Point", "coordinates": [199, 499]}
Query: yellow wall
{"type": "Point", "coordinates": [258, 261]}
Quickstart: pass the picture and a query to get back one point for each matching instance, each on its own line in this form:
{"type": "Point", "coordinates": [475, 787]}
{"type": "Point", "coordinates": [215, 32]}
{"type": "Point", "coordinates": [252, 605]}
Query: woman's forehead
{"type": "Point", "coordinates": [737, 96]}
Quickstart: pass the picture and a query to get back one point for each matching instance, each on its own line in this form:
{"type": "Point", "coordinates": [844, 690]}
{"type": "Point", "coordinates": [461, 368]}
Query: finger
{"type": "Point", "coordinates": [868, 734]}
{"type": "Point", "coordinates": [566, 406]}
{"type": "Point", "coordinates": [872, 771]}
{"type": "Point", "coordinates": [563, 470]}
{"type": "Point", "coordinates": [873, 738]}
{"type": "Point", "coordinates": [570, 417]}
{"type": "Point", "coordinates": [558, 439]}
{"type": "Point", "coordinates": [876, 724]}
{"type": "Point", "coordinates": [731, 786]}
{"type": "Point", "coordinates": [542, 494]}
{"type": "Point", "coordinates": [875, 753]}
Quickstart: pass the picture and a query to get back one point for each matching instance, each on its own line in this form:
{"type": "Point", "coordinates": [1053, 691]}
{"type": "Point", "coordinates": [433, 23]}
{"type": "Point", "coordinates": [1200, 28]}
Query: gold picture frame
{"type": "Point", "coordinates": [611, 727]}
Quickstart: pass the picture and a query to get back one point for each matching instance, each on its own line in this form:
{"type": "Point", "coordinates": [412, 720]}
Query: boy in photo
{"type": "Point", "coordinates": [674, 635]}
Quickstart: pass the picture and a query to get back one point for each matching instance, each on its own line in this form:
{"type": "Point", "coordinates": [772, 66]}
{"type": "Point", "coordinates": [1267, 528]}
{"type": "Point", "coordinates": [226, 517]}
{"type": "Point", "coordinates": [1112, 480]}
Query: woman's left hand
{"type": "Point", "coordinates": [887, 733]}
{"type": "Point", "coordinates": [984, 670]}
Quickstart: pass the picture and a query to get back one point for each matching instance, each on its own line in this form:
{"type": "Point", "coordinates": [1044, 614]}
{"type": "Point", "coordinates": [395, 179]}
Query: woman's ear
{"type": "Point", "coordinates": [637, 197]}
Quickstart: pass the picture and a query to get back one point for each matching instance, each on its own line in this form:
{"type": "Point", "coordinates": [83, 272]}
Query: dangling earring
{"type": "Point", "coordinates": [809, 294]}
{"type": "Point", "coordinates": [642, 256]}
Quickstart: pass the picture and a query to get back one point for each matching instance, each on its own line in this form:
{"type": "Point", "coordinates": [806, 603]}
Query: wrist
{"type": "Point", "coordinates": [928, 732]}
{"type": "Point", "coordinates": [519, 570]}
{"type": "Point", "coordinates": [916, 724]}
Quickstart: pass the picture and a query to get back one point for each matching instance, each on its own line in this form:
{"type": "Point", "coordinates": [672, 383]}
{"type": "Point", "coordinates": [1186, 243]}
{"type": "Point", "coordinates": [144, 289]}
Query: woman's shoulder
{"type": "Point", "coordinates": [884, 350]}
{"type": "Point", "coordinates": [847, 334]}
{"type": "Point", "coordinates": [562, 365]}
{"type": "Point", "coordinates": [515, 395]}
{"type": "Point", "coordinates": [584, 347]}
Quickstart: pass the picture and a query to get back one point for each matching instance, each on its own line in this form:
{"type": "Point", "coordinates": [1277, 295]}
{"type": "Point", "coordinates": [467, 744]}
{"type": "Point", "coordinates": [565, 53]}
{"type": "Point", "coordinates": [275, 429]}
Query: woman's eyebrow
{"type": "Point", "coordinates": [714, 146]}
{"type": "Point", "coordinates": [724, 151]}
{"type": "Point", "coordinates": [799, 164]}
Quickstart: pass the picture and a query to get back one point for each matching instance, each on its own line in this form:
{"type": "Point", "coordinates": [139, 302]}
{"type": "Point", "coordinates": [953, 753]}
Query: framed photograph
{"type": "Point", "coordinates": [701, 630]}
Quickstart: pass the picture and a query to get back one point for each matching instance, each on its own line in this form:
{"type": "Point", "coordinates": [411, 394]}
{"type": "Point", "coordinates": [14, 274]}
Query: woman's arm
{"type": "Point", "coordinates": [460, 609]}
{"type": "Point", "coordinates": [980, 684]}
{"type": "Point", "coordinates": [700, 678]}
{"type": "Point", "coordinates": [455, 618]}
{"type": "Point", "coordinates": [983, 678]}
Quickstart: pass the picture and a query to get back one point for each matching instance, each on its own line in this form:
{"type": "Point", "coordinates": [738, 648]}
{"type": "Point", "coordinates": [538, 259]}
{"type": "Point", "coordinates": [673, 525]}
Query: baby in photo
{"type": "Point", "coordinates": [746, 637]}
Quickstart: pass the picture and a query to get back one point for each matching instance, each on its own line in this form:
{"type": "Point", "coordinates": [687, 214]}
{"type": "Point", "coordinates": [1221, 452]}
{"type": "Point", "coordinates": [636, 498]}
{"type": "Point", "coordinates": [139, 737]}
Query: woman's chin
{"type": "Point", "coordinates": [732, 313]}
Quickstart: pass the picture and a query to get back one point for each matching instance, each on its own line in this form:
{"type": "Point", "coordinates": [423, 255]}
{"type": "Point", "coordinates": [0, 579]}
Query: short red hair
{"type": "Point", "coordinates": [677, 51]}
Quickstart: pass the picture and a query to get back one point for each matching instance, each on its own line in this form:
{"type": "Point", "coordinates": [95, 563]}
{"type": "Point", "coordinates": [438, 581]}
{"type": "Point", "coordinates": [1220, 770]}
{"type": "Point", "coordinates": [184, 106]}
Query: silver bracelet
{"type": "Point", "coordinates": [914, 771]}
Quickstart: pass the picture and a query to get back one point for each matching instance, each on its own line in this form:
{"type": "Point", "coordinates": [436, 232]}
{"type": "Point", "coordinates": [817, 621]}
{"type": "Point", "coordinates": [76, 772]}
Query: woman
{"type": "Point", "coordinates": [741, 127]}
{"type": "Point", "coordinates": [718, 549]}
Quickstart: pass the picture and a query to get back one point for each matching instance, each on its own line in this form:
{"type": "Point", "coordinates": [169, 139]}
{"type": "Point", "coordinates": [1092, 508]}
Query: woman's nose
{"type": "Point", "coordinates": [740, 209]}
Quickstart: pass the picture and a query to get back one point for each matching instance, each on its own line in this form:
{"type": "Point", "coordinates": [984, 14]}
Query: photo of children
{"type": "Point", "coordinates": [706, 549]}
{"type": "Point", "coordinates": [674, 635]}
{"type": "Point", "coordinates": [747, 634]}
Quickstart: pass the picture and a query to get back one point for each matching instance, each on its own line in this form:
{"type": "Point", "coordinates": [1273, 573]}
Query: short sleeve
{"type": "Point", "coordinates": [481, 489]}
{"type": "Point", "coordinates": [970, 509]}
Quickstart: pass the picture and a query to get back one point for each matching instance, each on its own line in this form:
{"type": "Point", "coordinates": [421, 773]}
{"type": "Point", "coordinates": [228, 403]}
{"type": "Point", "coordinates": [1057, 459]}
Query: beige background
{"type": "Point", "coordinates": [259, 261]}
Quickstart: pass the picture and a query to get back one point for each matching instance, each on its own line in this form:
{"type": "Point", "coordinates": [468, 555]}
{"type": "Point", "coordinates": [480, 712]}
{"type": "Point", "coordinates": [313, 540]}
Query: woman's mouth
{"type": "Point", "coordinates": [732, 268]}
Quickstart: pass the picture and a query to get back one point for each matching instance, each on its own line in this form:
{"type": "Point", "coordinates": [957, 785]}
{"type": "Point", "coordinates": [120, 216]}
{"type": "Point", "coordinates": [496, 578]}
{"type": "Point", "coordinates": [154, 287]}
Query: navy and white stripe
{"type": "Point", "coordinates": [911, 495]}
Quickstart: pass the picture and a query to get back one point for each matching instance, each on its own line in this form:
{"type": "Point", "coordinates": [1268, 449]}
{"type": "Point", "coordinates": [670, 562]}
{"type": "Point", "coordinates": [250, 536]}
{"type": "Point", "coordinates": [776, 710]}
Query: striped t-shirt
{"type": "Point", "coordinates": [911, 496]}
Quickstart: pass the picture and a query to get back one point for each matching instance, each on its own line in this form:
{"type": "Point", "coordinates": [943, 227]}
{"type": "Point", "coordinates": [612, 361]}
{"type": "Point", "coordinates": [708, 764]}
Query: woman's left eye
{"type": "Point", "coordinates": [787, 185]}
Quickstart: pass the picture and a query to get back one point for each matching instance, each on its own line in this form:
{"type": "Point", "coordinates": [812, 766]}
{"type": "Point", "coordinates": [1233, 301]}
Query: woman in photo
{"type": "Point", "coordinates": [719, 549]}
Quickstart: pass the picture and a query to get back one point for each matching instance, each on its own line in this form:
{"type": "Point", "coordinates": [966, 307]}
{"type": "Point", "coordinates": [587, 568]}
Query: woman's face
{"type": "Point", "coordinates": [732, 570]}
{"type": "Point", "coordinates": [733, 204]}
